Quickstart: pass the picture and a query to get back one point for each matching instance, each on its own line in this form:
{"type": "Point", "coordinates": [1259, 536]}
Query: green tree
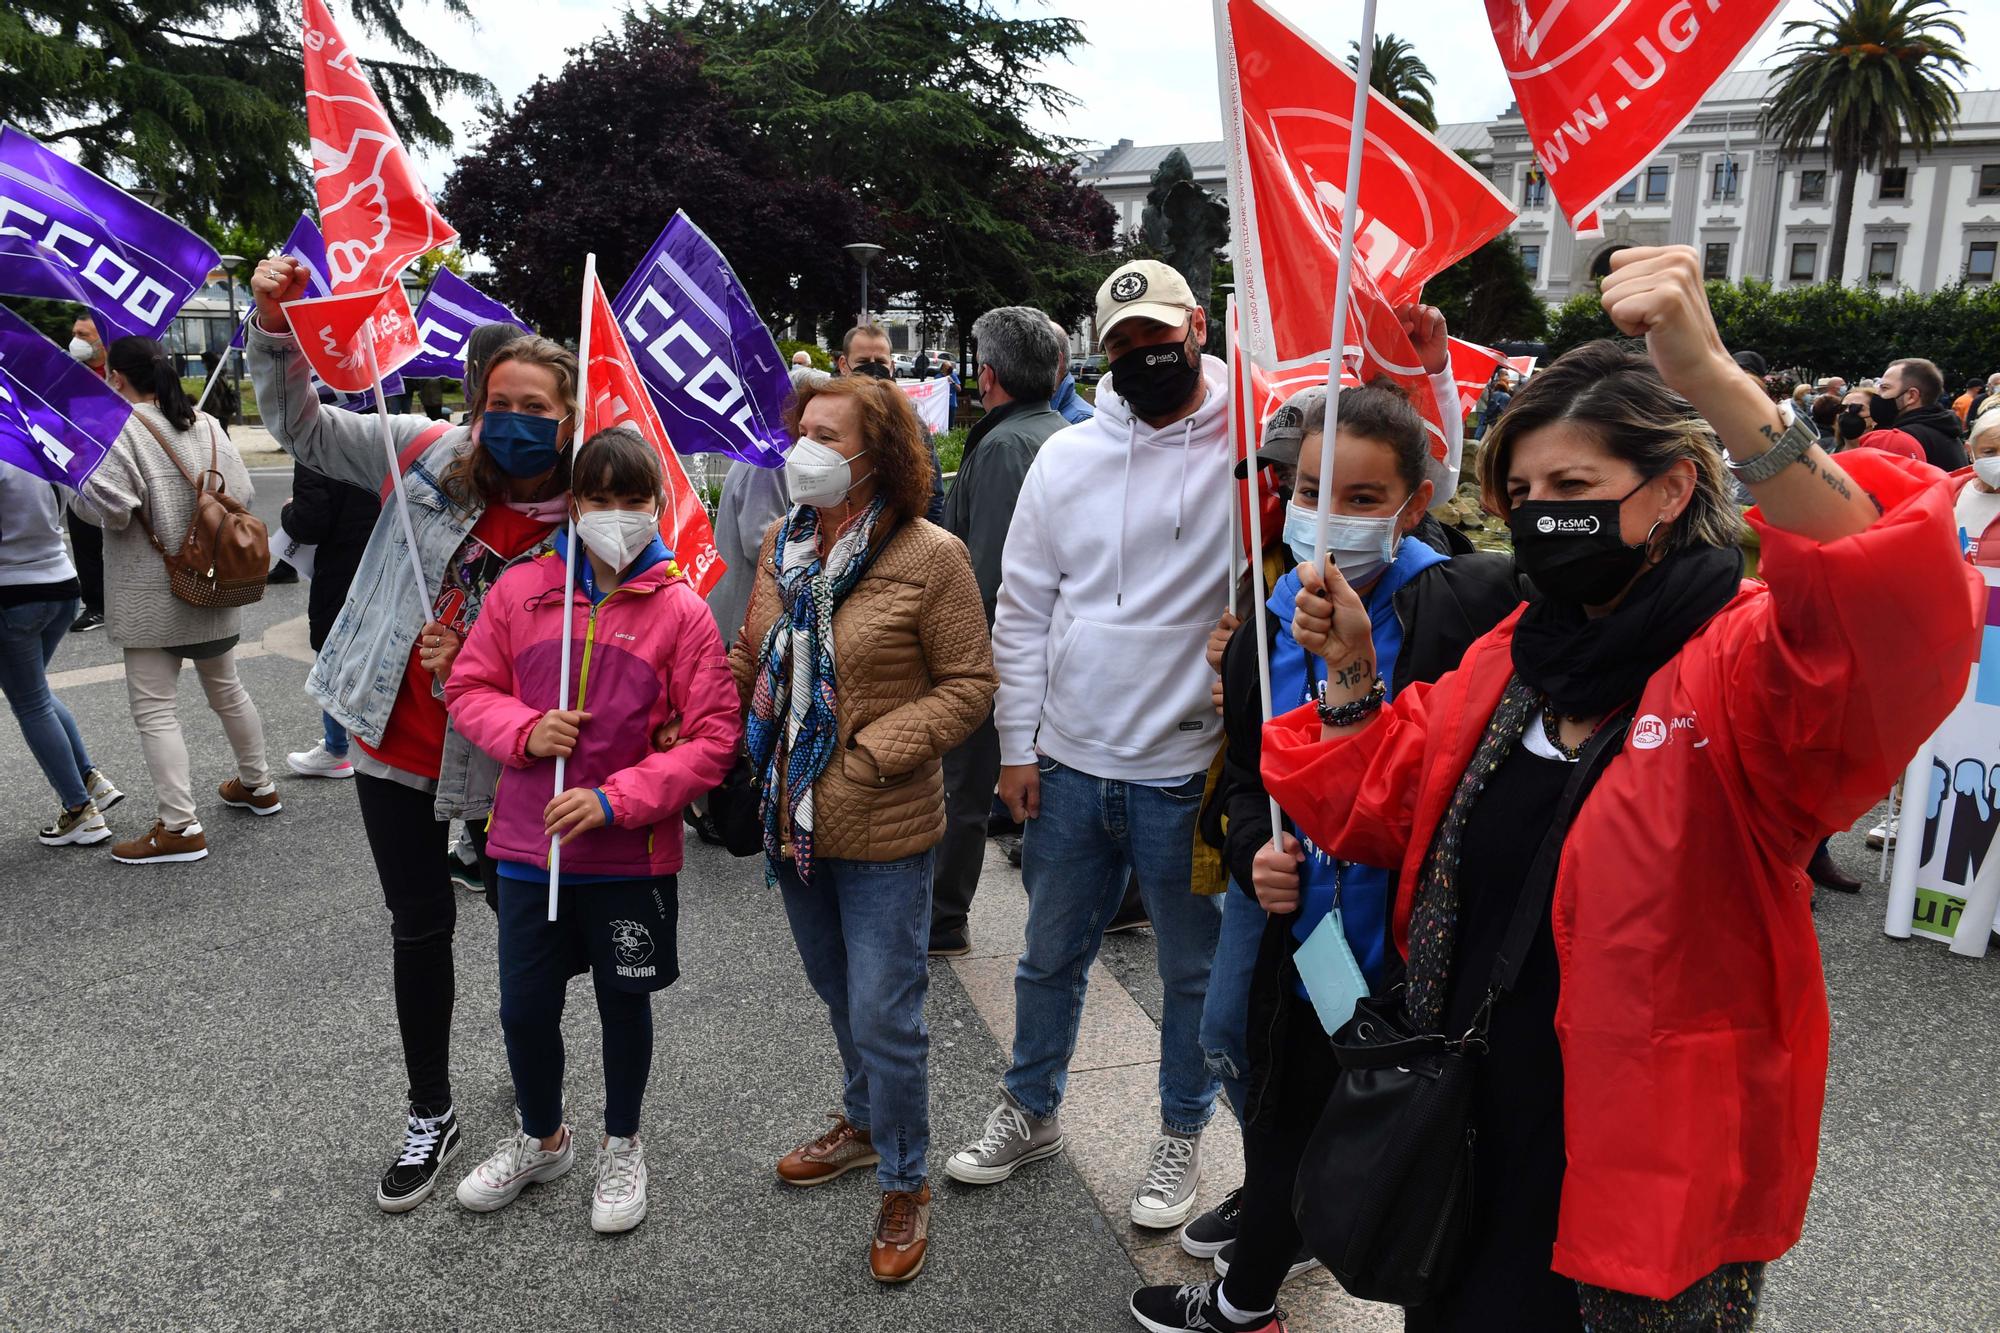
{"type": "Point", "coordinates": [1399, 74]}
{"type": "Point", "coordinates": [1186, 224]}
{"type": "Point", "coordinates": [923, 109]}
{"type": "Point", "coordinates": [1857, 82]}
{"type": "Point", "coordinates": [1488, 297]}
{"type": "Point", "coordinates": [203, 100]}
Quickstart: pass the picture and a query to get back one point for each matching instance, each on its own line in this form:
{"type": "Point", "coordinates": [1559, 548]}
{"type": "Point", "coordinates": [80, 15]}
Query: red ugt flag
{"type": "Point", "coordinates": [615, 396]}
{"type": "Point", "coordinates": [1287, 108]}
{"type": "Point", "coordinates": [1602, 84]}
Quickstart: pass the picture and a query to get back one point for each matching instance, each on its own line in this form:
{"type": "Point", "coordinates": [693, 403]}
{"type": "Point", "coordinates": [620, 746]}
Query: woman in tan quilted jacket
{"type": "Point", "coordinates": [862, 660]}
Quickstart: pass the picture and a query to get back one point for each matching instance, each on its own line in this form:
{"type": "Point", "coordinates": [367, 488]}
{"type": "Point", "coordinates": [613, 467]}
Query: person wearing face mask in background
{"type": "Point", "coordinates": [481, 496]}
{"type": "Point", "coordinates": [1906, 399]}
{"type": "Point", "coordinates": [862, 661]}
{"type": "Point", "coordinates": [650, 656]}
{"type": "Point", "coordinates": [140, 495]}
{"type": "Point", "coordinates": [1977, 491]}
{"type": "Point", "coordinates": [1425, 608]}
{"type": "Point", "coordinates": [866, 351]}
{"type": "Point", "coordinates": [1018, 355]}
{"type": "Point", "coordinates": [1646, 1109]}
{"type": "Point", "coordinates": [86, 541]}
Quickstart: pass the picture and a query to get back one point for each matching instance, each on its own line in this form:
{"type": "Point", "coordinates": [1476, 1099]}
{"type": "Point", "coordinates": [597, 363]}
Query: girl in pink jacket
{"type": "Point", "coordinates": [645, 660]}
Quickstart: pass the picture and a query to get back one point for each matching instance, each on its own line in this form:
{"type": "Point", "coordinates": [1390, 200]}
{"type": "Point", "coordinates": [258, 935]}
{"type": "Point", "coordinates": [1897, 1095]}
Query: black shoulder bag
{"type": "Point", "coordinates": [1384, 1187]}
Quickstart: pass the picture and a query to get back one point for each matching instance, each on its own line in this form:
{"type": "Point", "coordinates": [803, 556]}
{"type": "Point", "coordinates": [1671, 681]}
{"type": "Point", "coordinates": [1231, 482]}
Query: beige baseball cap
{"type": "Point", "coordinates": [1144, 289]}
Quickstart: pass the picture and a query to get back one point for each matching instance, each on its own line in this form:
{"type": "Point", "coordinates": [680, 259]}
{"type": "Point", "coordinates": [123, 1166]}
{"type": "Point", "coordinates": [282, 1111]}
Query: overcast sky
{"type": "Point", "coordinates": [1147, 73]}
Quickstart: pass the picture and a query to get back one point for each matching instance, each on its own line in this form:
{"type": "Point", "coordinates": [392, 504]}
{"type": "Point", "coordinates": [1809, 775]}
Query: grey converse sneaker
{"type": "Point", "coordinates": [1166, 1197]}
{"type": "Point", "coordinates": [1013, 1138]}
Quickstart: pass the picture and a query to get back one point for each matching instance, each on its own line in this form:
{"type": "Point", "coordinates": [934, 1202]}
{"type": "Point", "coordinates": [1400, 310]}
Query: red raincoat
{"type": "Point", "coordinates": [1693, 1014]}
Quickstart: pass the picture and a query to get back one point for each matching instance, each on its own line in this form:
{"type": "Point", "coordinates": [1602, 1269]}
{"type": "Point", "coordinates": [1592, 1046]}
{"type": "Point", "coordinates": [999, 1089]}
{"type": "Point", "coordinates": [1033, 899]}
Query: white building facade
{"type": "Point", "coordinates": [1719, 185]}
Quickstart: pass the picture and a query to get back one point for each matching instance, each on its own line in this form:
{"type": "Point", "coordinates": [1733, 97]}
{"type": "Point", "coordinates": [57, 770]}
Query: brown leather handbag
{"type": "Point", "coordinates": [226, 555]}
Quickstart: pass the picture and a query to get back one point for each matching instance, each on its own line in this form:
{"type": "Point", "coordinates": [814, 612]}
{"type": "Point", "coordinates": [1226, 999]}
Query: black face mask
{"type": "Point", "coordinates": [1156, 380]}
{"type": "Point", "coordinates": [1573, 550]}
{"type": "Point", "coordinates": [1851, 425]}
{"type": "Point", "coordinates": [872, 369]}
{"type": "Point", "coordinates": [1884, 410]}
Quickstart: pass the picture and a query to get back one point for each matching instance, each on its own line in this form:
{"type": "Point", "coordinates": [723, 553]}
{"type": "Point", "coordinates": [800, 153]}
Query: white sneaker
{"type": "Point", "coordinates": [1166, 1197]}
{"type": "Point", "coordinates": [1881, 836]}
{"type": "Point", "coordinates": [619, 1201]}
{"type": "Point", "coordinates": [101, 791]}
{"type": "Point", "coordinates": [76, 828]}
{"type": "Point", "coordinates": [320, 762]}
{"type": "Point", "coordinates": [517, 1162]}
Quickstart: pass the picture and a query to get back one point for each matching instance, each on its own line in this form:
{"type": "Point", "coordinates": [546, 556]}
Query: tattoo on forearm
{"type": "Point", "coordinates": [1354, 673]}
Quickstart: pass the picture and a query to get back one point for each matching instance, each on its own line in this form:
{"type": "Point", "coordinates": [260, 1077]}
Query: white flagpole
{"type": "Point", "coordinates": [1357, 132]}
{"type": "Point", "coordinates": [1244, 389]}
{"type": "Point", "coordinates": [570, 557]}
{"type": "Point", "coordinates": [367, 336]}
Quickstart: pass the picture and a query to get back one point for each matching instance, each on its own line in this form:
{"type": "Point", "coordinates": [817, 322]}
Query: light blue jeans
{"type": "Point", "coordinates": [1076, 858]}
{"type": "Point", "coordinates": [29, 635]}
{"type": "Point", "coordinates": [1225, 1016]}
{"type": "Point", "coordinates": [863, 929]}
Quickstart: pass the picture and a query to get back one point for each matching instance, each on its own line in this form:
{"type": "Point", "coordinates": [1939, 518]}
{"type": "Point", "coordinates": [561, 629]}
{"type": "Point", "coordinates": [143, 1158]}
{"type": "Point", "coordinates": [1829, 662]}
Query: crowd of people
{"type": "Point", "coordinates": [1553, 812]}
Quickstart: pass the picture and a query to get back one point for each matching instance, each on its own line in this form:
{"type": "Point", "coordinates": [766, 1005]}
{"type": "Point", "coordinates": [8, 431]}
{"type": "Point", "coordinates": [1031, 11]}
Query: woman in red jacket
{"type": "Point", "coordinates": [1648, 1110]}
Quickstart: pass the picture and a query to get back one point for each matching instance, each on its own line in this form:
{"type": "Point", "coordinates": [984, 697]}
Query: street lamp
{"type": "Point", "coordinates": [230, 263]}
{"type": "Point", "coordinates": [863, 253]}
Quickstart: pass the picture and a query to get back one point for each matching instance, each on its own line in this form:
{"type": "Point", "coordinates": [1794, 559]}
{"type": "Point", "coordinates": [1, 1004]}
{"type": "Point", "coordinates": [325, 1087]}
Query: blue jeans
{"type": "Point", "coordinates": [1076, 857]}
{"type": "Point", "coordinates": [335, 734]}
{"type": "Point", "coordinates": [29, 634]}
{"type": "Point", "coordinates": [863, 929]}
{"type": "Point", "coordinates": [1225, 1017]}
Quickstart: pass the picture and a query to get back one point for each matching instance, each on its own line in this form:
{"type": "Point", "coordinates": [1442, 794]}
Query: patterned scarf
{"type": "Point", "coordinates": [1434, 909]}
{"type": "Point", "coordinates": [792, 710]}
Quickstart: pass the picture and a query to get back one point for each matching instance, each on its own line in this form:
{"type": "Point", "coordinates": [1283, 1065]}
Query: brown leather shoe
{"type": "Point", "coordinates": [262, 802]}
{"type": "Point", "coordinates": [162, 844]}
{"type": "Point", "coordinates": [834, 1153]}
{"type": "Point", "coordinates": [902, 1233]}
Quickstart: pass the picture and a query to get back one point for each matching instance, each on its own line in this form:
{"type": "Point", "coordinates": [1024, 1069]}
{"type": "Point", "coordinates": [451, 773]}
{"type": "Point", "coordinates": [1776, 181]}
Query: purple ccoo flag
{"type": "Point", "coordinates": [70, 235]}
{"type": "Point", "coordinates": [306, 245]}
{"type": "Point", "coordinates": [446, 317]}
{"type": "Point", "coordinates": [57, 419]}
{"type": "Point", "coordinates": [712, 366]}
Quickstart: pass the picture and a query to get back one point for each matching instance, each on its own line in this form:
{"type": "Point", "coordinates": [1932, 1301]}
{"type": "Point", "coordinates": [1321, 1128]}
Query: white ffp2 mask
{"type": "Point", "coordinates": [818, 474]}
{"type": "Point", "coordinates": [617, 536]}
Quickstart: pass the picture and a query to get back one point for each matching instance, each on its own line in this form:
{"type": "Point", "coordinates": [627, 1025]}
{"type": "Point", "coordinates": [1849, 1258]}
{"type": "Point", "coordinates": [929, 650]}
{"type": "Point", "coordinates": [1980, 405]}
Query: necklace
{"type": "Point", "coordinates": [1552, 732]}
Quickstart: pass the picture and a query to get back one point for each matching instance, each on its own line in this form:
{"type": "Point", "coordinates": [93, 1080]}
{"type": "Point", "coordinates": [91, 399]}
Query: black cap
{"type": "Point", "coordinates": [1753, 363]}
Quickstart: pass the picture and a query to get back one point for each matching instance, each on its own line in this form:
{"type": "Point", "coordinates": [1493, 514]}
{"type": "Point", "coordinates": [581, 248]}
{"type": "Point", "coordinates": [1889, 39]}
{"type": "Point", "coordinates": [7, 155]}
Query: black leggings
{"type": "Point", "coordinates": [409, 843]}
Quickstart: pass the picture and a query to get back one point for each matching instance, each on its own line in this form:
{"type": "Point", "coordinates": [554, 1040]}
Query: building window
{"type": "Point", "coordinates": [1722, 181]}
{"type": "Point", "coordinates": [1715, 261]}
{"type": "Point", "coordinates": [1628, 193]}
{"type": "Point", "coordinates": [1812, 186]}
{"type": "Point", "coordinates": [1979, 261]}
{"type": "Point", "coordinates": [1882, 261]}
{"type": "Point", "coordinates": [1531, 260]}
{"type": "Point", "coordinates": [1805, 261]}
{"type": "Point", "coordinates": [1895, 183]}
{"type": "Point", "coordinates": [1656, 184]}
{"type": "Point", "coordinates": [1535, 190]}
{"type": "Point", "coordinates": [1989, 181]}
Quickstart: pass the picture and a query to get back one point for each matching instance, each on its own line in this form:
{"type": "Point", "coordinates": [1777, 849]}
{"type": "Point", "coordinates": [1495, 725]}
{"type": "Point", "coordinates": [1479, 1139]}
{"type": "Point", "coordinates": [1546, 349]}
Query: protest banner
{"type": "Point", "coordinates": [1945, 881]}
{"type": "Point", "coordinates": [68, 234]}
{"type": "Point", "coordinates": [713, 368]}
{"type": "Point", "coordinates": [451, 309]}
{"type": "Point", "coordinates": [932, 399]}
{"type": "Point", "coordinates": [341, 336]}
{"type": "Point", "coordinates": [57, 419]}
{"type": "Point", "coordinates": [1602, 87]}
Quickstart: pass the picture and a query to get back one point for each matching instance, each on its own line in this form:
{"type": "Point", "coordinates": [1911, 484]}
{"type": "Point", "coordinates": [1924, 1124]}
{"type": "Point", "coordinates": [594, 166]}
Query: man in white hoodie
{"type": "Point", "coordinates": [1113, 573]}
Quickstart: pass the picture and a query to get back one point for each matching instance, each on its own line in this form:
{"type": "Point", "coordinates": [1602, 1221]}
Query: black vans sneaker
{"type": "Point", "coordinates": [428, 1143]}
{"type": "Point", "coordinates": [1206, 1235]}
{"type": "Point", "coordinates": [1195, 1309]}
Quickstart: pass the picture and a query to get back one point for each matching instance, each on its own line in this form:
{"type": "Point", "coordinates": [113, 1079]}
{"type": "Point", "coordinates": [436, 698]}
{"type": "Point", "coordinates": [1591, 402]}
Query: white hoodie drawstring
{"type": "Point", "coordinates": [1124, 501]}
{"type": "Point", "coordinates": [1180, 502]}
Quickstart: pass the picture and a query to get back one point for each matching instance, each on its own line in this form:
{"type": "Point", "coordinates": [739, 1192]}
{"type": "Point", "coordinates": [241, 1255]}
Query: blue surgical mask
{"type": "Point", "coordinates": [1361, 547]}
{"type": "Point", "coordinates": [519, 444]}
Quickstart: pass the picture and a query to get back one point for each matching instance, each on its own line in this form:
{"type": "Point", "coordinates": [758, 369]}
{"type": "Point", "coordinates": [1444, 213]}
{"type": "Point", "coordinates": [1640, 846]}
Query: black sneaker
{"type": "Point", "coordinates": [951, 944]}
{"type": "Point", "coordinates": [703, 826]}
{"type": "Point", "coordinates": [428, 1143]}
{"type": "Point", "coordinates": [1206, 1235]}
{"type": "Point", "coordinates": [1226, 1256]}
{"type": "Point", "coordinates": [89, 620]}
{"type": "Point", "coordinates": [1193, 1309]}
{"type": "Point", "coordinates": [1010, 847]}
{"type": "Point", "coordinates": [462, 875]}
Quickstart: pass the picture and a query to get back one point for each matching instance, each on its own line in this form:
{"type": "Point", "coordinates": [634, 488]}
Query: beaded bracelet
{"type": "Point", "coordinates": [1353, 711]}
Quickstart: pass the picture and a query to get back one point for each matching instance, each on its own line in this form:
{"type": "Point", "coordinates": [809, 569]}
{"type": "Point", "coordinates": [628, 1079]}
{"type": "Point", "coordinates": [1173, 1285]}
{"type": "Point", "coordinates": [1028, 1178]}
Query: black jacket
{"type": "Point", "coordinates": [1443, 611]}
{"type": "Point", "coordinates": [999, 450]}
{"type": "Point", "coordinates": [1938, 430]}
{"type": "Point", "coordinates": [338, 518]}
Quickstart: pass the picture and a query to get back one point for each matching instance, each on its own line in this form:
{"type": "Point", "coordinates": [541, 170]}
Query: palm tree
{"type": "Point", "coordinates": [1399, 75]}
{"type": "Point", "coordinates": [1860, 81]}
